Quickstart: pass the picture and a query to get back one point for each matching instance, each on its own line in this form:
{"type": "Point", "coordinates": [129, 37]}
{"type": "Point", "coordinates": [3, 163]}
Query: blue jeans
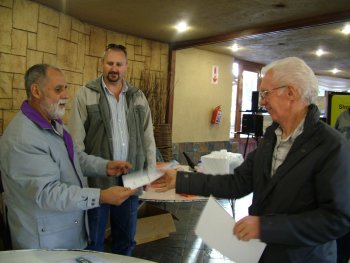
{"type": "Point", "coordinates": [123, 220]}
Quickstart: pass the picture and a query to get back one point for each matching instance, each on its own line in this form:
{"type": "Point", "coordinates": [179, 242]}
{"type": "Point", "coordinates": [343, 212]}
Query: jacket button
{"type": "Point", "coordinates": [76, 221]}
{"type": "Point", "coordinates": [43, 230]}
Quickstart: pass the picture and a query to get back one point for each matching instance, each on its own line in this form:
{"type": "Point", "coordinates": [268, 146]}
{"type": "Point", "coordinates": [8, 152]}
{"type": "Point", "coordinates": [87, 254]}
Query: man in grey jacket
{"type": "Point", "coordinates": [110, 118]}
{"type": "Point", "coordinates": [44, 189]}
{"type": "Point", "coordinates": [299, 174]}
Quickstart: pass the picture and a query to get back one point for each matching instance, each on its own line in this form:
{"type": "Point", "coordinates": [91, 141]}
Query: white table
{"type": "Point", "coordinates": [169, 196]}
{"type": "Point", "coordinates": [63, 256]}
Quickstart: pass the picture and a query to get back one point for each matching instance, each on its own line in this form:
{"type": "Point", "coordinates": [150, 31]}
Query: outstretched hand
{"type": "Point", "coordinates": [115, 195]}
{"type": "Point", "coordinates": [115, 168]}
{"type": "Point", "coordinates": [166, 182]}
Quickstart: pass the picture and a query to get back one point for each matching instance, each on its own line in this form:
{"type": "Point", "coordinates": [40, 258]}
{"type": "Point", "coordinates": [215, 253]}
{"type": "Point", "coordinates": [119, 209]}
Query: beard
{"type": "Point", "coordinates": [53, 110]}
{"type": "Point", "coordinates": [113, 76]}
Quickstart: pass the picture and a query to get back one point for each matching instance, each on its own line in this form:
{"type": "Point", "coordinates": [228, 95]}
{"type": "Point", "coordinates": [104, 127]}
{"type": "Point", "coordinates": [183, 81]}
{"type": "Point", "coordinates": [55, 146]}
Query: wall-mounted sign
{"type": "Point", "coordinates": [337, 103]}
{"type": "Point", "coordinates": [215, 74]}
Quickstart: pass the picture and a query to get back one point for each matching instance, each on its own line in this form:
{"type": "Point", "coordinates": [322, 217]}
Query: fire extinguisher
{"type": "Point", "coordinates": [216, 116]}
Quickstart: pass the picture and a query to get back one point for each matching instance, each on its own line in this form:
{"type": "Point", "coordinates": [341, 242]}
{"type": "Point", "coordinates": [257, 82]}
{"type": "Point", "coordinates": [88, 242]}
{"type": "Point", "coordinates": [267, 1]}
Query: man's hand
{"type": "Point", "coordinates": [247, 228]}
{"type": "Point", "coordinates": [166, 182]}
{"type": "Point", "coordinates": [115, 168]}
{"type": "Point", "coordinates": [115, 195]}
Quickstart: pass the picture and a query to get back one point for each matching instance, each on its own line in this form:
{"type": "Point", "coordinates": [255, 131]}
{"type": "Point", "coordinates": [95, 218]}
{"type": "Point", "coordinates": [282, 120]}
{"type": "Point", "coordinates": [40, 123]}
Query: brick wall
{"type": "Point", "coordinates": [31, 33]}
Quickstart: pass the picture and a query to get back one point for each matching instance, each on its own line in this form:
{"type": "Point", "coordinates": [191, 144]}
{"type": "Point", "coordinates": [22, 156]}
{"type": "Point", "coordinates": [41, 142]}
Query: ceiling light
{"type": "Point", "coordinates": [319, 52]}
{"type": "Point", "coordinates": [181, 26]}
{"type": "Point", "coordinates": [335, 71]}
{"type": "Point", "coordinates": [346, 30]}
{"type": "Point", "coordinates": [234, 47]}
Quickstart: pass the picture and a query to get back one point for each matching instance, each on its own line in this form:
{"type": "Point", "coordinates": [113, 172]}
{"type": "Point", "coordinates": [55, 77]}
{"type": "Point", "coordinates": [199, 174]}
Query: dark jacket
{"type": "Point", "coordinates": [304, 206]}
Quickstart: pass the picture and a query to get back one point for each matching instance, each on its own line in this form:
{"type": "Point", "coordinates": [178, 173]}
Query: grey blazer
{"type": "Point", "coordinates": [44, 192]}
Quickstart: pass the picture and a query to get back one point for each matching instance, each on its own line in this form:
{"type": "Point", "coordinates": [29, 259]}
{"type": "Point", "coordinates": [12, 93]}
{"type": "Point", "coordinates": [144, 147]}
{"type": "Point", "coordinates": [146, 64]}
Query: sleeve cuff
{"type": "Point", "coordinates": [182, 182]}
{"type": "Point", "coordinates": [90, 197]}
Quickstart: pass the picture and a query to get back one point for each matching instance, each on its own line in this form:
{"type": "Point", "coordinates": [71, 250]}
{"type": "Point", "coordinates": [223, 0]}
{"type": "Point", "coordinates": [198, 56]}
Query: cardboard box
{"type": "Point", "coordinates": [153, 223]}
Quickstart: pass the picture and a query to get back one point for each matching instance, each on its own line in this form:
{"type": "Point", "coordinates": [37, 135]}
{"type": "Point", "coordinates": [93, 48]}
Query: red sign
{"type": "Point", "coordinates": [215, 74]}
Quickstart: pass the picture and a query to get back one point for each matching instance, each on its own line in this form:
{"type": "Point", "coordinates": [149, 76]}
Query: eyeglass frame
{"type": "Point", "coordinates": [265, 93]}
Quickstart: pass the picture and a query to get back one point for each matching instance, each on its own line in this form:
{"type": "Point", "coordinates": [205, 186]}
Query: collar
{"type": "Point", "coordinates": [124, 89]}
{"type": "Point", "coordinates": [298, 130]}
{"type": "Point", "coordinates": [36, 117]}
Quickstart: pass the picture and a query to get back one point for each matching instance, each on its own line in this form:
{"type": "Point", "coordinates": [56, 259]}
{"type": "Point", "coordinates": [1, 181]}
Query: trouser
{"type": "Point", "coordinates": [123, 220]}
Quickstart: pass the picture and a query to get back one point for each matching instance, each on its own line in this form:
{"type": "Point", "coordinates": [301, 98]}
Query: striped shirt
{"type": "Point", "coordinates": [283, 146]}
{"type": "Point", "coordinates": [119, 125]}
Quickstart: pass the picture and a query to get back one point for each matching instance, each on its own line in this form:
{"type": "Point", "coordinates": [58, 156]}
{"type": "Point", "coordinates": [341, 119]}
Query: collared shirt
{"type": "Point", "coordinates": [119, 125]}
{"type": "Point", "coordinates": [283, 146]}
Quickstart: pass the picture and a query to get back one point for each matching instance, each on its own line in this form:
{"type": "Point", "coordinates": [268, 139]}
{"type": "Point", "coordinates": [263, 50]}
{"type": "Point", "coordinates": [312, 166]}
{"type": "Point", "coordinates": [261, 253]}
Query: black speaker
{"type": "Point", "coordinates": [252, 123]}
{"type": "Point", "coordinates": [255, 101]}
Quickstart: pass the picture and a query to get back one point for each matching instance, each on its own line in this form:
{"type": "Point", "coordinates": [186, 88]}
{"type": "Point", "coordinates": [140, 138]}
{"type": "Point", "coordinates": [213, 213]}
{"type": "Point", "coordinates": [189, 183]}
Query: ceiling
{"type": "Point", "coordinates": [264, 29]}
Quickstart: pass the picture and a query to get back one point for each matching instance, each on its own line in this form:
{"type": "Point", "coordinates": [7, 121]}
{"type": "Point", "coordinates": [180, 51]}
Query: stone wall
{"type": "Point", "coordinates": [31, 33]}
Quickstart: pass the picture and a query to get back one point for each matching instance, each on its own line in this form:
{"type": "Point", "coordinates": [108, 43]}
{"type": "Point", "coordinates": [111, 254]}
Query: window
{"type": "Point", "coordinates": [235, 72]}
{"type": "Point", "coordinates": [246, 80]}
{"type": "Point", "coordinates": [250, 84]}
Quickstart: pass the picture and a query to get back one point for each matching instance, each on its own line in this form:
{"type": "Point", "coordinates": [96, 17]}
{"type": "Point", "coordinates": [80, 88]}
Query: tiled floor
{"type": "Point", "coordinates": [184, 246]}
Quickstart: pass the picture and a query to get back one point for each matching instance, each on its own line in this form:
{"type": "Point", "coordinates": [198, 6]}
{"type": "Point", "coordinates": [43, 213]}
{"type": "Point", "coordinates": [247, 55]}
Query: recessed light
{"type": "Point", "coordinates": [181, 26]}
{"type": "Point", "coordinates": [235, 47]}
{"type": "Point", "coordinates": [346, 29]}
{"type": "Point", "coordinates": [335, 71]}
{"type": "Point", "coordinates": [319, 52]}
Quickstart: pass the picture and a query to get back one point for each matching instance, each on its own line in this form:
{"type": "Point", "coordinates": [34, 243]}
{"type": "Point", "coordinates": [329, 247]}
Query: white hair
{"type": "Point", "coordinates": [294, 72]}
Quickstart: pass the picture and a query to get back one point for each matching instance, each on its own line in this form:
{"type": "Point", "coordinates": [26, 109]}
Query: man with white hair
{"type": "Point", "coordinates": [299, 174]}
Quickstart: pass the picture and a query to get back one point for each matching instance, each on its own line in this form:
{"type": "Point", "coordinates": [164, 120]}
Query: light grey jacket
{"type": "Point", "coordinates": [91, 129]}
{"type": "Point", "coordinates": [45, 194]}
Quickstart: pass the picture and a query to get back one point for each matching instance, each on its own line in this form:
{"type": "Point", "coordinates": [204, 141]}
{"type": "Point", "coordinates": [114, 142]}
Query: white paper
{"type": "Point", "coordinates": [140, 178]}
{"type": "Point", "coordinates": [144, 177]}
{"type": "Point", "coordinates": [215, 227]}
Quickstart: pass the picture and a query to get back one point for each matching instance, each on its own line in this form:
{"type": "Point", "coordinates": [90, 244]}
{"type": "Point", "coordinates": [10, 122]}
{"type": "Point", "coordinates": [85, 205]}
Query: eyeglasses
{"type": "Point", "coordinates": [265, 93]}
